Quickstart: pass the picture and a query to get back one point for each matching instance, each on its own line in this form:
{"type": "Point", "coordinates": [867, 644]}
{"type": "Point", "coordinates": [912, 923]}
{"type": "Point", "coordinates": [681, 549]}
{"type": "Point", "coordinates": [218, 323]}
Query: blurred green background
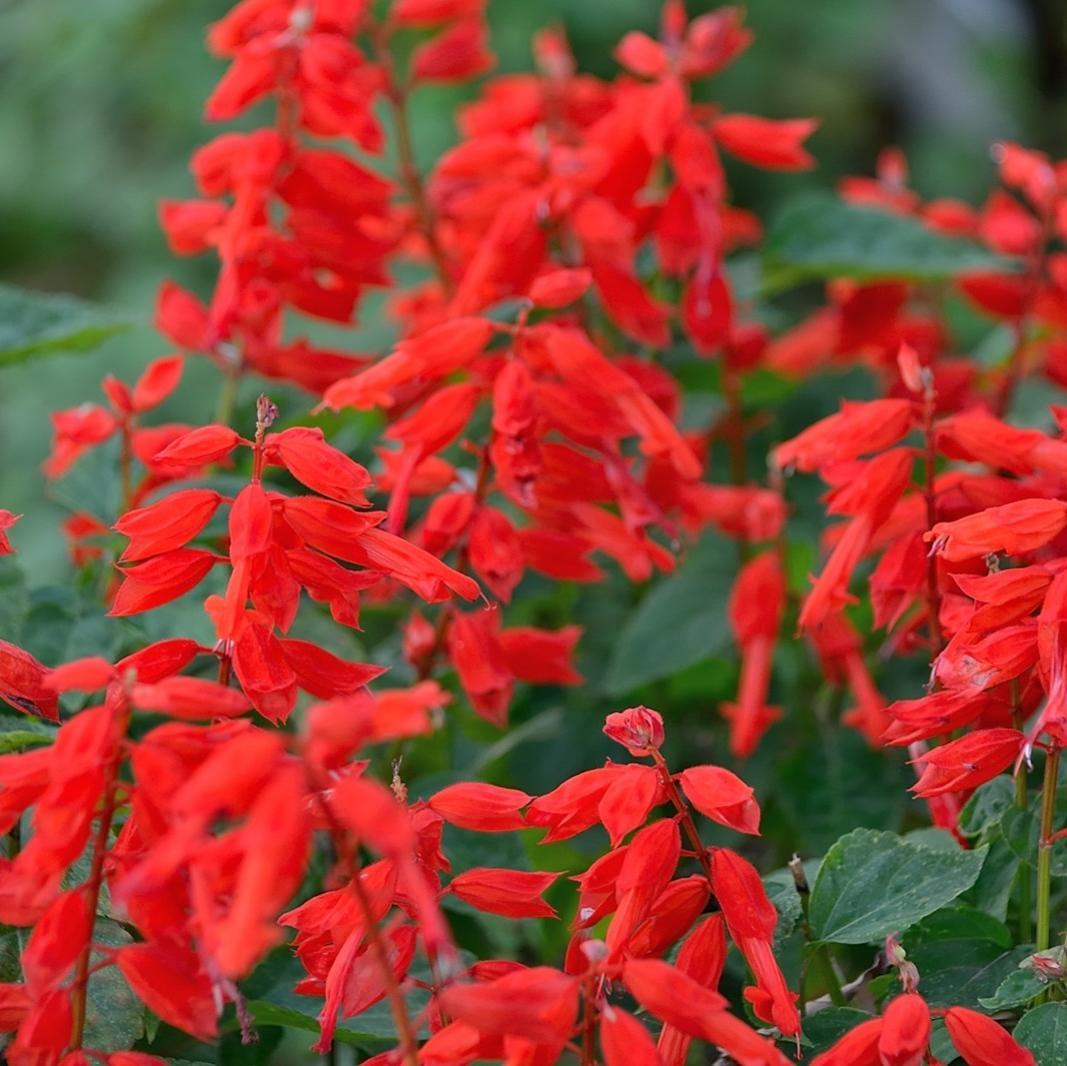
{"type": "Point", "coordinates": [102, 107]}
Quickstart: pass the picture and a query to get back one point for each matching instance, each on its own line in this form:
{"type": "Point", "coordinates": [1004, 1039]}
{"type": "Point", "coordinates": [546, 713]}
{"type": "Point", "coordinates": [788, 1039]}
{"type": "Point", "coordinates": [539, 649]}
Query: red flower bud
{"type": "Point", "coordinates": [638, 729]}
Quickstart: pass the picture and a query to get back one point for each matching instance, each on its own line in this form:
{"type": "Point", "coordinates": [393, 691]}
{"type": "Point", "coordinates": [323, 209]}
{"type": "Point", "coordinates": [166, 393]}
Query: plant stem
{"type": "Point", "coordinates": [80, 985]}
{"type": "Point", "coordinates": [1022, 878]}
{"type": "Point", "coordinates": [933, 593]}
{"type": "Point", "coordinates": [819, 961]}
{"type": "Point", "coordinates": [126, 466]}
{"type": "Point", "coordinates": [1044, 849]}
{"type": "Point", "coordinates": [396, 94]}
{"type": "Point", "coordinates": [406, 1040]}
{"type": "Point", "coordinates": [589, 999]}
{"type": "Point", "coordinates": [227, 396]}
{"type": "Point", "coordinates": [686, 818]}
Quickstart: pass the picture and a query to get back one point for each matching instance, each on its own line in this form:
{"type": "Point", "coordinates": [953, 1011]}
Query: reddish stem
{"type": "Point", "coordinates": [347, 855]}
{"type": "Point", "coordinates": [396, 95]}
{"type": "Point", "coordinates": [80, 985]}
{"type": "Point", "coordinates": [933, 592]}
{"type": "Point", "coordinates": [685, 818]}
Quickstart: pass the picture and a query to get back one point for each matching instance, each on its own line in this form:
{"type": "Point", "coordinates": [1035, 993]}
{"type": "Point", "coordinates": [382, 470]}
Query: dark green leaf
{"type": "Point", "coordinates": [114, 1016]}
{"type": "Point", "coordinates": [33, 324]}
{"type": "Point", "coordinates": [987, 806]}
{"type": "Point", "coordinates": [680, 621]}
{"type": "Point", "coordinates": [782, 892]}
{"type": "Point", "coordinates": [1022, 831]}
{"type": "Point", "coordinates": [820, 236]}
{"type": "Point", "coordinates": [826, 1027]}
{"type": "Point", "coordinates": [1044, 1031]}
{"type": "Point", "coordinates": [272, 1001]}
{"type": "Point", "coordinates": [871, 884]}
{"type": "Point", "coordinates": [992, 891]}
{"type": "Point", "coordinates": [962, 955]}
{"type": "Point", "coordinates": [1017, 989]}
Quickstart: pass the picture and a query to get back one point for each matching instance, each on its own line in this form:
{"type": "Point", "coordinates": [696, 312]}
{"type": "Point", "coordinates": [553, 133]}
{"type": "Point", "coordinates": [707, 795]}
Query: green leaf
{"type": "Point", "coordinates": [20, 732]}
{"type": "Point", "coordinates": [272, 1001]}
{"type": "Point", "coordinates": [993, 890]}
{"type": "Point", "coordinates": [1022, 832]}
{"type": "Point", "coordinates": [114, 1016]}
{"type": "Point", "coordinates": [21, 739]}
{"type": "Point", "coordinates": [1044, 1031]}
{"type": "Point", "coordinates": [34, 324]}
{"type": "Point", "coordinates": [820, 236]}
{"type": "Point", "coordinates": [1018, 988]}
{"type": "Point", "coordinates": [871, 884]}
{"type": "Point", "coordinates": [962, 955]}
{"type": "Point", "coordinates": [782, 892]}
{"type": "Point", "coordinates": [826, 1027]}
{"type": "Point", "coordinates": [987, 806]}
{"type": "Point", "coordinates": [680, 621]}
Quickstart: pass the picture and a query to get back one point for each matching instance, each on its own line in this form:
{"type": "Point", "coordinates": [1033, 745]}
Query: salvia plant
{"type": "Point", "coordinates": [230, 839]}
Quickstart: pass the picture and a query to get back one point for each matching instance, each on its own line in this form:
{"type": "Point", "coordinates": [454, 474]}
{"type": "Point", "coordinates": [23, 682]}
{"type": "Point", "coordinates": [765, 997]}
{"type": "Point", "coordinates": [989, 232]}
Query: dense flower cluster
{"type": "Point", "coordinates": [219, 800]}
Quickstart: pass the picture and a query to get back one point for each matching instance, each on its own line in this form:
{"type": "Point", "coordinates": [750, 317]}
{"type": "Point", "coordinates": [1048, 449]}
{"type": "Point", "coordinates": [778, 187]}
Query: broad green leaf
{"type": "Point", "coordinates": [826, 1027]}
{"type": "Point", "coordinates": [1017, 989]}
{"type": "Point", "coordinates": [962, 955]}
{"type": "Point", "coordinates": [21, 739]}
{"type": "Point", "coordinates": [33, 324]}
{"type": "Point", "coordinates": [272, 1001]}
{"type": "Point", "coordinates": [1022, 831]}
{"type": "Point", "coordinates": [871, 884]}
{"type": "Point", "coordinates": [114, 1016]}
{"type": "Point", "coordinates": [820, 236]}
{"type": "Point", "coordinates": [782, 892]}
{"type": "Point", "coordinates": [681, 620]}
{"type": "Point", "coordinates": [987, 806]}
{"type": "Point", "coordinates": [374, 1028]}
{"type": "Point", "coordinates": [1044, 1031]}
{"type": "Point", "coordinates": [19, 732]}
{"type": "Point", "coordinates": [992, 891]}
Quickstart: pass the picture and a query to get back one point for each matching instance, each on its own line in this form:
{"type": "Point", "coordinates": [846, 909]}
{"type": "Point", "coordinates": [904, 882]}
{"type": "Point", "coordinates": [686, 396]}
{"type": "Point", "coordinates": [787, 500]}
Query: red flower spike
{"type": "Point", "coordinates": [764, 142]}
{"type": "Point", "coordinates": [306, 455]}
{"type": "Point", "coordinates": [511, 893]}
{"type": "Point", "coordinates": [485, 808]}
{"type": "Point", "coordinates": [968, 762]}
{"type": "Point", "coordinates": [737, 886]}
{"type": "Point", "coordinates": [7, 520]}
{"type": "Point", "coordinates": [539, 1004]}
{"type": "Point", "coordinates": [169, 524]}
{"type": "Point", "coordinates": [721, 796]}
{"type": "Point", "coordinates": [160, 379]}
{"type": "Point", "coordinates": [24, 683]}
{"type": "Point", "coordinates": [1015, 528]}
{"type": "Point", "coordinates": [625, 1041]}
{"type": "Point", "coordinates": [905, 1031]}
{"type": "Point", "coordinates": [670, 995]}
{"type": "Point", "coordinates": [169, 980]}
{"type": "Point", "coordinates": [198, 447]}
{"type": "Point", "coordinates": [983, 1042]}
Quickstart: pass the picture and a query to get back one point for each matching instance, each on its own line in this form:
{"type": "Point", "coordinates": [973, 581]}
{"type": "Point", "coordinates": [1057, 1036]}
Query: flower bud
{"type": "Point", "coordinates": [638, 729]}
